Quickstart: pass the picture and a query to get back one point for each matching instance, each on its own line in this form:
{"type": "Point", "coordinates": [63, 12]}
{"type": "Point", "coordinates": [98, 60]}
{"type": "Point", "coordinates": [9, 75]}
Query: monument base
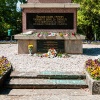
{"type": "Point", "coordinates": [70, 45]}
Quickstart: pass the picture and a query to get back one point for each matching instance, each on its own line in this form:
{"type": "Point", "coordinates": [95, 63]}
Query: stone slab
{"type": "Point", "coordinates": [49, 1]}
{"type": "Point", "coordinates": [46, 81]}
{"type": "Point", "coordinates": [33, 37]}
{"type": "Point", "coordinates": [50, 5]}
{"type": "Point", "coordinates": [48, 74]}
{"type": "Point", "coordinates": [45, 84]}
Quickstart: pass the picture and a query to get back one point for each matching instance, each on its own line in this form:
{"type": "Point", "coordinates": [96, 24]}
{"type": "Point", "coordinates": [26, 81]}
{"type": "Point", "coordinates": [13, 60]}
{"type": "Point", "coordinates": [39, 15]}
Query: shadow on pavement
{"type": "Point", "coordinates": [5, 91]}
{"type": "Point", "coordinates": [91, 51]}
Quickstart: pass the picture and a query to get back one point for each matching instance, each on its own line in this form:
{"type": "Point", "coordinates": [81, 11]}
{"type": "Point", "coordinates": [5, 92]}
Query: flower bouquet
{"type": "Point", "coordinates": [30, 48]}
{"type": "Point", "coordinates": [52, 53]}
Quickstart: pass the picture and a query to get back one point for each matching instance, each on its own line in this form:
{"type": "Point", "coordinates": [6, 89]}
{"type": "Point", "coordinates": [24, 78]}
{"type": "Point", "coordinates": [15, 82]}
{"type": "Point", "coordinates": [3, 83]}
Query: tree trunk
{"type": "Point", "coordinates": [89, 33]}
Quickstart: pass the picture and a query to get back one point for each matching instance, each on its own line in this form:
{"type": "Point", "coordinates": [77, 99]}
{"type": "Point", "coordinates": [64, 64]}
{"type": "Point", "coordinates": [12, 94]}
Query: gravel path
{"type": "Point", "coordinates": [26, 63]}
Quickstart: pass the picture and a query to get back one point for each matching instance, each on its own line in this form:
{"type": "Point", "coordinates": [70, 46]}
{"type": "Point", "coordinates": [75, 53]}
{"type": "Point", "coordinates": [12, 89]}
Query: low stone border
{"type": "Point", "coordinates": [4, 76]}
{"type": "Point", "coordinates": [94, 85]}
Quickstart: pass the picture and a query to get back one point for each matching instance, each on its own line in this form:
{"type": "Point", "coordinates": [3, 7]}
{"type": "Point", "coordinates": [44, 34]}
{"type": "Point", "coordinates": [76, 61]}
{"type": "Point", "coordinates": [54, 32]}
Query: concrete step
{"type": "Point", "coordinates": [34, 92]}
{"type": "Point", "coordinates": [51, 97]}
{"type": "Point", "coordinates": [23, 83]}
{"type": "Point", "coordinates": [47, 94]}
{"type": "Point", "coordinates": [48, 75]}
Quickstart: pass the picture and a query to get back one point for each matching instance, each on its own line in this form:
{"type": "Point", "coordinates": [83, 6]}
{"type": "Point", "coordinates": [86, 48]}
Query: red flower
{"type": "Point", "coordinates": [73, 34]}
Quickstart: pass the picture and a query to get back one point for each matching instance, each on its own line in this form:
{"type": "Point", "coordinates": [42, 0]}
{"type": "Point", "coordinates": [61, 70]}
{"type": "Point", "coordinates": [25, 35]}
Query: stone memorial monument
{"type": "Point", "coordinates": [49, 24]}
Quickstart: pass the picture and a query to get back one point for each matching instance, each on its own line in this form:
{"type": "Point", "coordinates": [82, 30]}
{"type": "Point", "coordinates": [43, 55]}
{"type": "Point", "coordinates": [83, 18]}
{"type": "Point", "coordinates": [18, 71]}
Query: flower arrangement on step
{"type": "Point", "coordinates": [39, 35]}
{"type": "Point", "coordinates": [52, 53]}
{"type": "Point", "coordinates": [4, 65]}
{"type": "Point", "coordinates": [73, 34]}
{"type": "Point", "coordinates": [61, 34]}
{"type": "Point", "coordinates": [93, 68]}
{"type": "Point", "coordinates": [68, 34]}
{"type": "Point", "coordinates": [52, 34]}
{"type": "Point", "coordinates": [45, 34]}
{"type": "Point", "coordinates": [30, 48]}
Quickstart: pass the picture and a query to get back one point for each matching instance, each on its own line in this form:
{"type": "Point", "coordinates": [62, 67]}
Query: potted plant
{"type": "Point", "coordinates": [93, 75]}
{"type": "Point", "coordinates": [5, 69]}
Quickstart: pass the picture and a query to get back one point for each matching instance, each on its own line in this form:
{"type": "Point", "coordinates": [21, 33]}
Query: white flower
{"type": "Point", "coordinates": [52, 53]}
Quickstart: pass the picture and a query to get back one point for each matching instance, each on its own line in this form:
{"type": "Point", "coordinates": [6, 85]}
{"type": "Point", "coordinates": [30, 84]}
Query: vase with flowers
{"type": "Point", "coordinates": [30, 49]}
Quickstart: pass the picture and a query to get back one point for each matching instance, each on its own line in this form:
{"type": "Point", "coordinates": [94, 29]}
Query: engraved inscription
{"type": "Point", "coordinates": [50, 20]}
{"type": "Point", "coordinates": [44, 45]}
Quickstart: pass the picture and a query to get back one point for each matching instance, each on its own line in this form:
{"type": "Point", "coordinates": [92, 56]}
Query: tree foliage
{"type": "Point", "coordinates": [89, 18]}
{"type": "Point", "coordinates": [9, 17]}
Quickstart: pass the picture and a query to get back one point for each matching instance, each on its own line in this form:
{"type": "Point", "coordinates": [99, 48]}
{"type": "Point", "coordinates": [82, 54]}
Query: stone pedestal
{"type": "Point", "coordinates": [72, 44]}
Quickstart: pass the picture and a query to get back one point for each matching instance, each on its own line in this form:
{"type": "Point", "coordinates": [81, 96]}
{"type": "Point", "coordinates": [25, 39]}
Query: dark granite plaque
{"type": "Point", "coordinates": [44, 45]}
{"type": "Point", "coordinates": [49, 20]}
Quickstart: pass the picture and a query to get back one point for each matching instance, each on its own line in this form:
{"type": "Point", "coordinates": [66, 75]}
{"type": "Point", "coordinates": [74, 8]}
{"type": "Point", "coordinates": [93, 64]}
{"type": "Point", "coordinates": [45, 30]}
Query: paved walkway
{"type": "Point", "coordinates": [26, 63]}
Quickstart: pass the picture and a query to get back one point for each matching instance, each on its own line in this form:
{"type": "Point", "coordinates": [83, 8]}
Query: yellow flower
{"type": "Point", "coordinates": [30, 46]}
{"type": "Point", "coordinates": [99, 68]}
{"type": "Point", "coordinates": [61, 34]}
{"type": "Point", "coordinates": [94, 72]}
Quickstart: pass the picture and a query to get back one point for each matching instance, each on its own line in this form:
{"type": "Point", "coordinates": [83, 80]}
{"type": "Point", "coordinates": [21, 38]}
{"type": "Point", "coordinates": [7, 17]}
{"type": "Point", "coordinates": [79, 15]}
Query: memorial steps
{"type": "Point", "coordinates": [46, 80]}
{"type": "Point", "coordinates": [47, 94]}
